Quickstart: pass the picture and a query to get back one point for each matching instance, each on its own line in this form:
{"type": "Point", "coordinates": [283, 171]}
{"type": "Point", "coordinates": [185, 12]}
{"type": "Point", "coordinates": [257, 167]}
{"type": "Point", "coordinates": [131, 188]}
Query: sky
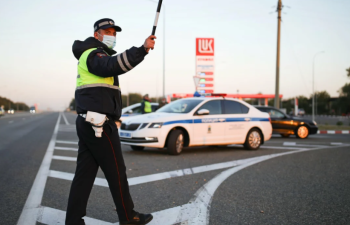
{"type": "Point", "coordinates": [37, 64]}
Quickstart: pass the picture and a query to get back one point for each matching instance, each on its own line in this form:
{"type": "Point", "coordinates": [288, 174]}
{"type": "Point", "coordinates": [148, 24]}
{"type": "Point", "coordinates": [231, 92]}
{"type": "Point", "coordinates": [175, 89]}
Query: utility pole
{"type": "Point", "coordinates": [164, 51]}
{"type": "Point", "coordinates": [277, 91]}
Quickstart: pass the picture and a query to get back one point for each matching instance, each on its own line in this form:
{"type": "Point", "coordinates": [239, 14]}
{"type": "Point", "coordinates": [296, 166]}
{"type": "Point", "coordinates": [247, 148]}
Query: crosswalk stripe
{"type": "Point", "coordinates": [158, 176]}
{"type": "Point", "coordinates": [69, 176]}
{"type": "Point", "coordinates": [52, 216]}
{"type": "Point", "coordinates": [67, 142]}
{"type": "Point", "coordinates": [66, 149]}
{"type": "Point", "coordinates": [65, 158]}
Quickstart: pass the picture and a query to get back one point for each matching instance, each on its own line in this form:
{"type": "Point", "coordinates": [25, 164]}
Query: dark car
{"type": "Point", "coordinates": [287, 125]}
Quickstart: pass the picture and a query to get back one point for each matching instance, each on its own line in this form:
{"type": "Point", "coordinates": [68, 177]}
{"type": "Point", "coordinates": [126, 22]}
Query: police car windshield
{"type": "Point", "coordinates": [180, 106]}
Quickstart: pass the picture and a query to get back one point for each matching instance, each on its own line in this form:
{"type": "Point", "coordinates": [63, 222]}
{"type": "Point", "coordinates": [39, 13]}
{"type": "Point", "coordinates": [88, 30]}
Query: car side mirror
{"type": "Point", "coordinates": [203, 112]}
{"type": "Point", "coordinates": [129, 112]}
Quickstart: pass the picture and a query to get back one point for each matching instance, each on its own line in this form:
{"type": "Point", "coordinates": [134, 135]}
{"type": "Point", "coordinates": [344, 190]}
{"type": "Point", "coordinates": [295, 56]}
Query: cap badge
{"type": "Point", "coordinates": [111, 22]}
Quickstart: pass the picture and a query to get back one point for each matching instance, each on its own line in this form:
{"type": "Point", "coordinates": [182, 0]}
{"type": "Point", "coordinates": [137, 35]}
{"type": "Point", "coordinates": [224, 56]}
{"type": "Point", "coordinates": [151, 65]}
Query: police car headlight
{"type": "Point", "coordinates": [155, 125]}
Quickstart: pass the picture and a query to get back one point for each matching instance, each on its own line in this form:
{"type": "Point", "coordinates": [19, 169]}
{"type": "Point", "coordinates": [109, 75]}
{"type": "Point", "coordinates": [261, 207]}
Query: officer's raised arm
{"type": "Point", "coordinates": [103, 65]}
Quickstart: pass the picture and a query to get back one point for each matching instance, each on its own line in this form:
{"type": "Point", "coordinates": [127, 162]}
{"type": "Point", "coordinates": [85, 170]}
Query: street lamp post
{"type": "Point", "coordinates": [313, 85]}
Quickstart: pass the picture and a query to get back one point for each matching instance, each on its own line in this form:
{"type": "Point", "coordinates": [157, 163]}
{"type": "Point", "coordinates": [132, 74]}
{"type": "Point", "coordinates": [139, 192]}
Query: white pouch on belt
{"type": "Point", "coordinates": [97, 120]}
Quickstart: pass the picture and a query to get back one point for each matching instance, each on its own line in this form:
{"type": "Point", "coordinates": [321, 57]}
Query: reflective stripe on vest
{"type": "Point", "coordinates": [98, 85]}
{"type": "Point", "coordinates": [85, 79]}
{"type": "Point", "coordinates": [148, 107]}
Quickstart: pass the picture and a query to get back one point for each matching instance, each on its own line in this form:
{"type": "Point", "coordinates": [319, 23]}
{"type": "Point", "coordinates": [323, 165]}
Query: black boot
{"type": "Point", "coordinates": [138, 218]}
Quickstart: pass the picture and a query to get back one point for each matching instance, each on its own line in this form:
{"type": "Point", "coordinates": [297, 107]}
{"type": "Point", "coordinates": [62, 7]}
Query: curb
{"type": "Point", "coordinates": [333, 132]}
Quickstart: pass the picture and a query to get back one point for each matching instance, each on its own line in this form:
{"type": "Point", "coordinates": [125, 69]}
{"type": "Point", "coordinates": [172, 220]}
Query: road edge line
{"type": "Point", "coordinates": [32, 206]}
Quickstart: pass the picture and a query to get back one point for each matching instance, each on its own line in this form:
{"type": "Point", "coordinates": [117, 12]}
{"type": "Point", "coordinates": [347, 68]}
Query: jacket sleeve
{"type": "Point", "coordinates": [100, 64]}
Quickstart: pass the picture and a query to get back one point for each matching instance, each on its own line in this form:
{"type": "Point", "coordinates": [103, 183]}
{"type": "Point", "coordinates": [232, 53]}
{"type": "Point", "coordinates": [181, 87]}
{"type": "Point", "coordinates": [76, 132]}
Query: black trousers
{"type": "Point", "coordinates": [104, 152]}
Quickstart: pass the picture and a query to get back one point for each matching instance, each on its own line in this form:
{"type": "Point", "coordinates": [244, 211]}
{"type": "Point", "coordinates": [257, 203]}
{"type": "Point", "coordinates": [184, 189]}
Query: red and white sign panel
{"type": "Point", "coordinates": [205, 65]}
{"type": "Point", "coordinates": [204, 46]}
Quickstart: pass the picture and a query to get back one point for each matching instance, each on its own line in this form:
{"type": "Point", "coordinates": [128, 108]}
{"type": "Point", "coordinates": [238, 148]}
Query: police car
{"type": "Point", "coordinates": [198, 122]}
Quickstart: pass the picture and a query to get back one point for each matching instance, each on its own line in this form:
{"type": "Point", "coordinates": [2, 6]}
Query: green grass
{"type": "Point", "coordinates": [333, 127]}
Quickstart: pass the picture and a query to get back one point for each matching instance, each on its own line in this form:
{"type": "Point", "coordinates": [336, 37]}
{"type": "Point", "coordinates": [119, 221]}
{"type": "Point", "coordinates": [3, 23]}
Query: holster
{"type": "Point", "coordinates": [97, 121]}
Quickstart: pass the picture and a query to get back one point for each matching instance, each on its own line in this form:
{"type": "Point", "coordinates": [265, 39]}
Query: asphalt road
{"type": "Point", "coordinates": [287, 181]}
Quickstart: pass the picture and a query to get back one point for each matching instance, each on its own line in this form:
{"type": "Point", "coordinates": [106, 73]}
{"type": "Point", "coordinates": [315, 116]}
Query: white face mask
{"type": "Point", "coordinates": [110, 41]}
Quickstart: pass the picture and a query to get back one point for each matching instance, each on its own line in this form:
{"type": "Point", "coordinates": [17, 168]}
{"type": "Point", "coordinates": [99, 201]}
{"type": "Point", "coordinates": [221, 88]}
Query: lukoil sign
{"type": "Point", "coordinates": [205, 46]}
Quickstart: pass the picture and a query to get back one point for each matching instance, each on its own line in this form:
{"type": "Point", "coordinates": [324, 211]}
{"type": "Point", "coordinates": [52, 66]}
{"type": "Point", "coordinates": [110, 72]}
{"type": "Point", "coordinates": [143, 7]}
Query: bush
{"type": "Point", "coordinates": [339, 123]}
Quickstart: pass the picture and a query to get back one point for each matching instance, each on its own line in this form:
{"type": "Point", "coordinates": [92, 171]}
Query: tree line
{"type": "Point", "coordinates": [7, 104]}
{"type": "Point", "coordinates": [324, 104]}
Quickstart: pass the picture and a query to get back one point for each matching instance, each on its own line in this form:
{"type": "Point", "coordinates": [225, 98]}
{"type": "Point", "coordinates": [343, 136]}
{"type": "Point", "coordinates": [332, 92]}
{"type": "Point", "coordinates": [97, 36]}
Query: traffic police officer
{"type": "Point", "coordinates": [146, 106]}
{"type": "Point", "coordinates": [97, 90]}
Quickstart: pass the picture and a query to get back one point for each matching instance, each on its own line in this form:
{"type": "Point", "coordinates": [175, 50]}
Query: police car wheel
{"type": "Point", "coordinates": [137, 148]}
{"type": "Point", "coordinates": [175, 142]}
{"type": "Point", "coordinates": [302, 132]}
{"type": "Point", "coordinates": [253, 140]}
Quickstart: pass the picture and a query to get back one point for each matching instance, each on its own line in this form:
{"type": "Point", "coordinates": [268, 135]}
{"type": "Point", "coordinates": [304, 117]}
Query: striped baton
{"type": "Point", "coordinates": [157, 16]}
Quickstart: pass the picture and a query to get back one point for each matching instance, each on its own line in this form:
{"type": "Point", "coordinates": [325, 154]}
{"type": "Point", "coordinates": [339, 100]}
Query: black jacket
{"type": "Point", "coordinates": [101, 99]}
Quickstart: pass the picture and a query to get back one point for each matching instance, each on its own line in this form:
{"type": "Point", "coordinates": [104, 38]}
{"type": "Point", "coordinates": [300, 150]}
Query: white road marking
{"type": "Point", "coordinates": [67, 142]}
{"type": "Point", "coordinates": [289, 143]}
{"type": "Point", "coordinates": [66, 149]}
{"type": "Point", "coordinates": [67, 128]}
{"type": "Point", "coordinates": [272, 147]}
{"type": "Point", "coordinates": [52, 216]}
{"type": "Point", "coordinates": [69, 176]}
{"type": "Point", "coordinates": [157, 176]}
{"type": "Point", "coordinates": [336, 143]}
{"type": "Point", "coordinates": [196, 212]}
{"type": "Point", "coordinates": [65, 158]}
{"type": "Point", "coordinates": [31, 207]}
{"type": "Point", "coordinates": [301, 145]}
{"type": "Point", "coordinates": [65, 118]}
{"type": "Point", "coordinates": [282, 148]}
